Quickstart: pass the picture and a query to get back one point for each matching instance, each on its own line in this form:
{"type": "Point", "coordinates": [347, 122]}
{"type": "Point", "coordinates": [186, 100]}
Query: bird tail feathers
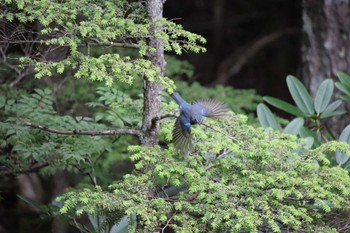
{"type": "Point", "coordinates": [178, 99]}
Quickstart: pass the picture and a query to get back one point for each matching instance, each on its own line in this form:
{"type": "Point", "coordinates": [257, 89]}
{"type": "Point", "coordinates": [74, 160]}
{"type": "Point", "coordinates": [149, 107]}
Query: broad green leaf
{"type": "Point", "coordinates": [293, 126]}
{"type": "Point", "coordinates": [48, 91]}
{"type": "Point", "coordinates": [98, 117]}
{"type": "Point", "coordinates": [124, 224]}
{"type": "Point", "coordinates": [2, 101]}
{"type": "Point", "coordinates": [300, 95]}
{"type": "Point", "coordinates": [343, 88]}
{"type": "Point", "coordinates": [345, 98]}
{"type": "Point", "coordinates": [344, 78]}
{"type": "Point", "coordinates": [40, 92]}
{"type": "Point", "coordinates": [284, 106]}
{"type": "Point", "coordinates": [323, 95]}
{"type": "Point", "coordinates": [330, 108]}
{"type": "Point", "coordinates": [266, 117]}
{"type": "Point", "coordinates": [341, 157]}
{"type": "Point", "coordinates": [96, 221]}
{"type": "Point", "coordinates": [347, 166]}
{"type": "Point", "coordinates": [335, 113]}
{"type": "Point", "coordinates": [309, 142]}
{"type": "Point", "coordinates": [305, 133]}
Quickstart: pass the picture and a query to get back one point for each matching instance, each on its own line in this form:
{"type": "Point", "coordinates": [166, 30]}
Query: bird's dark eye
{"type": "Point", "coordinates": [194, 120]}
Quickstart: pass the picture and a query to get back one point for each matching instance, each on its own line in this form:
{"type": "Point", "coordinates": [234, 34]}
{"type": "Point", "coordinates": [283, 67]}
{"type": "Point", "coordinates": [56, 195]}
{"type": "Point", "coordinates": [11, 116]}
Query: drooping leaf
{"type": "Point", "coordinates": [266, 117]}
{"type": "Point", "coordinates": [305, 133]}
{"type": "Point", "coordinates": [343, 88]}
{"type": "Point", "coordinates": [32, 203]}
{"type": "Point", "coordinates": [123, 225]}
{"type": "Point", "coordinates": [330, 109]}
{"type": "Point", "coordinates": [323, 95]}
{"type": "Point", "coordinates": [344, 78]}
{"type": "Point", "coordinates": [293, 126]}
{"type": "Point", "coordinates": [96, 221]}
{"type": "Point", "coordinates": [341, 157]}
{"type": "Point", "coordinates": [335, 113]}
{"type": "Point", "coordinates": [300, 95]}
{"type": "Point", "coordinates": [284, 106]}
{"type": "Point", "coordinates": [309, 142]}
{"type": "Point", "coordinates": [2, 101]}
{"type": "Point", "coordinates": [345, 98]}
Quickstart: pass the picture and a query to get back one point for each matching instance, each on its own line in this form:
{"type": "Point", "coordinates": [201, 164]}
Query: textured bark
{"type": "Point", "coordinates": [326, 44]}
{"type": "Point", "coordinates": [152, 90]}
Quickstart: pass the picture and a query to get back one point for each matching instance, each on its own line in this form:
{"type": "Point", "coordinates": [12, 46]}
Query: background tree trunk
{"type": "Point", "coordinates": [326, 45]}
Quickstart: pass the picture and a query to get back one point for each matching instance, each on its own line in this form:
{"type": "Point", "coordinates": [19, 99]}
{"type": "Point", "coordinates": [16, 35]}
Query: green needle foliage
{"type": "Point", "coordinates": [81, 25]}
{"type": "Point", "coordinates": [259, 181]}
{"type": "Point", "coordinates": [35, 146]}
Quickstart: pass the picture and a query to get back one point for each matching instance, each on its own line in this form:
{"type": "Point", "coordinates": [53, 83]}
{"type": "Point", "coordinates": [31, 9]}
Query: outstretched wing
{"type": "Point", "coordinates": [212, 108]}
{"type": "Point", "coordinates": [182, 134]}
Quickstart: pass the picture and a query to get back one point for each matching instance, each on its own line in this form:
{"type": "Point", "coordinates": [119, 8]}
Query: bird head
{"type": "Point", "coordinates": [196, 119]}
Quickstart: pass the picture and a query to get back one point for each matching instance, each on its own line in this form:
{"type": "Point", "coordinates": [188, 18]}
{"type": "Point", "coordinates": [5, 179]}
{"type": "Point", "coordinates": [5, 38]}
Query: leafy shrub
{"type": "Point", "coordinates": [311, 114]}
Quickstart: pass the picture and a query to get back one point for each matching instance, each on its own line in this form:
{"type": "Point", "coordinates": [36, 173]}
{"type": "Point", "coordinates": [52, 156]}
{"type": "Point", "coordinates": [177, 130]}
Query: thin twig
{"type": "Point", "coordinates": [77, 225]}
{"type": "Point", "coordinates": [167, 223]}
{"type": "Point", "coordinates": [92, 179]}
{"type": "Point", "coordinates": [219, 131]}
{"type": "Point", "coordinates": [220, 156]}
{"type": "Point", "coordinates": [104, 151]}
{"type": "Point", "coordinates": [22, 75]}
{"type": "Point", "coordinates": [87, 132]}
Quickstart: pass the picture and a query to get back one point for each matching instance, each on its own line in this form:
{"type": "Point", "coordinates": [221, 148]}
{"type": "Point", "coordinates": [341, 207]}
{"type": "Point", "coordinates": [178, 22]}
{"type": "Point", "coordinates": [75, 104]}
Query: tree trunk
{"type": "Point", "coordinates": [326, 45]}
{"type": "Point", "coordinates": [152, 90]}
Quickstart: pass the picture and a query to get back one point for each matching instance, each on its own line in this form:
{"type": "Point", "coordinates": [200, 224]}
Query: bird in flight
{"type": "Point", "coordinates": [191, 114]}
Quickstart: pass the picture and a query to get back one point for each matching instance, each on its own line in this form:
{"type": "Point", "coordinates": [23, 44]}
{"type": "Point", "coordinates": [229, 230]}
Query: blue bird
{"type": "Point", "coordinates": [191, 114]}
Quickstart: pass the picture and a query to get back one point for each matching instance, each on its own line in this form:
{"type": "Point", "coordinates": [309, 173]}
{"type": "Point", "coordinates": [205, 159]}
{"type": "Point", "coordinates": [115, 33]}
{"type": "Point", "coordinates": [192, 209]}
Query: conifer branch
{"type": "Point", "coordinates": [86, 132]}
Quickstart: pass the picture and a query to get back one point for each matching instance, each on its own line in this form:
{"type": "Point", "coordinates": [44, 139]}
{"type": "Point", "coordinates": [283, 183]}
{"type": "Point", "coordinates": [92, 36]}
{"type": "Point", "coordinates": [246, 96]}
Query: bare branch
{"type": "Point", "coordinates": [96, 43]}
{"type": "Point", "coordinates": [155, 120]}
{"type": "Point", "coordinates": [168, 222]}
{"type": "Point", "coordinates": [171, 114]}
{"type": "Point", "coordinates": [33, 168]}
{"type": "Point", "coordinates": [86, 132]}
{"type": "Point", "coordinates": [220, 156]}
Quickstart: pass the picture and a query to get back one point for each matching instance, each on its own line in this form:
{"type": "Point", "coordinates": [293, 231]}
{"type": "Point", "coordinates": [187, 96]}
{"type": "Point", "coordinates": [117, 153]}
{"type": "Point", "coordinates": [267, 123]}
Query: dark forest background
{"type": "Point", "coordinates": [250, 44]}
